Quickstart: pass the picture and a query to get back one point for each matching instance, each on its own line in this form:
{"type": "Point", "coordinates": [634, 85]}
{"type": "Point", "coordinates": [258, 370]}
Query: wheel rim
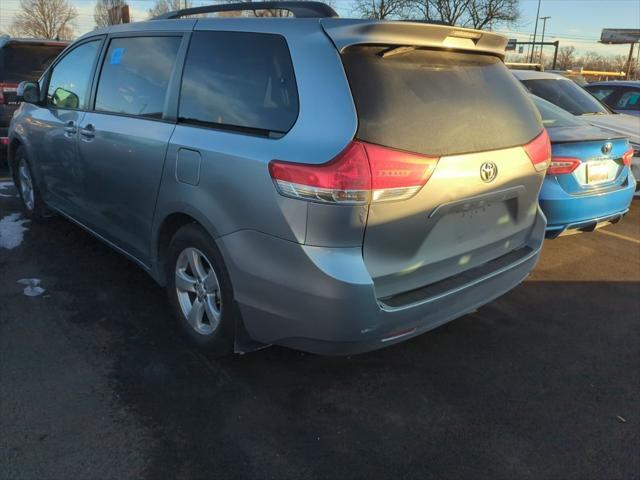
{"type": "Point", "coordinates": [26, 185]}
{"type": "Point", "coordinates": [198, 291]}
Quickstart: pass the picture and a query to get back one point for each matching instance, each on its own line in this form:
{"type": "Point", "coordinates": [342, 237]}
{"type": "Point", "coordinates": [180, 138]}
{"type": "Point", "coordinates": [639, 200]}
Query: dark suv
{"type": "Point", "coordinates": [21, 59]}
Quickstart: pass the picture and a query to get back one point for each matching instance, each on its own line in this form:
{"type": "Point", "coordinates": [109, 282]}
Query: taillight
{"type": "Point", "coordinates": [562, 165]}
{"type": "Point", "coordinates": [6, 87]}
{"type": "Point", "coordinates": [539, 151]}
{"type": "Point", "coordinates": [361, 173]}
{"type": "Point", "coordinates": [627, 156]}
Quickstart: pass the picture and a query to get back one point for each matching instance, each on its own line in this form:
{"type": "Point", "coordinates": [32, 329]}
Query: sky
{"type": "Point", "coordinates": [572, 22]}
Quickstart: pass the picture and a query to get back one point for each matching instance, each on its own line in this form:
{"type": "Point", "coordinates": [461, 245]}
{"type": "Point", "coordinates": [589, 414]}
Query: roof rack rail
{"type": "Point", "coordinates": [304, 9]}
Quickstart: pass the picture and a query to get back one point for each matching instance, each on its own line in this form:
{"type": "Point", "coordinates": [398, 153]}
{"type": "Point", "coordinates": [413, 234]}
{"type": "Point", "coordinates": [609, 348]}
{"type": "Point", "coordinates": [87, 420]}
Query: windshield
{"type": "Point", "coordinates": [437, 102]}
{"type": "Point", "coordinates": [566, 95]}
{"type": "Point", "coordinates": [23, 61]}
{"type": "Point", "coordinates": [553, 116]}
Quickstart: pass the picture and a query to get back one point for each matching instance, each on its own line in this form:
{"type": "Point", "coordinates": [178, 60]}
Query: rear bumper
{"type": "Point", "coordinates": [583, 212]}
{"type": "Point", "coordinates": [6, 112]}
{"type": "Point", "coordinates": [322, 300]}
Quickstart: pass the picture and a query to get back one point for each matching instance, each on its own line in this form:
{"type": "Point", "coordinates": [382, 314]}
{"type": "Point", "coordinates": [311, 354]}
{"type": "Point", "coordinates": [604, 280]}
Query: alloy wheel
{"type": "Point", "coordinates": [26, 185]}
{"type": "Point", "coordinates": [198, 291]}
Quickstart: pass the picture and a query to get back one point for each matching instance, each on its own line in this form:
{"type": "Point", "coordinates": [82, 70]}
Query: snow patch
{"type": "Point", "coordinates": [12, 231]}
{"type": "Point", "coordinates": [33, 288]}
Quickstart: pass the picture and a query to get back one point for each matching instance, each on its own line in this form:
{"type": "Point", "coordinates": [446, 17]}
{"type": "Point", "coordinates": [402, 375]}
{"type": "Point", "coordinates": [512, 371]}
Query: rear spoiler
{"type": "Point", "coordinates": [345, 33]}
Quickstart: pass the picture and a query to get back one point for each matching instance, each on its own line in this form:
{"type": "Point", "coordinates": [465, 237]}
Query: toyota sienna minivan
{"type": "Point", "coordinates": [327, 184]}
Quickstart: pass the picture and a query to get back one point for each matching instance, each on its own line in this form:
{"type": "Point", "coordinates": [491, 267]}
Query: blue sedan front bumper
{"type": "Point", "coordinates": [586, 210]}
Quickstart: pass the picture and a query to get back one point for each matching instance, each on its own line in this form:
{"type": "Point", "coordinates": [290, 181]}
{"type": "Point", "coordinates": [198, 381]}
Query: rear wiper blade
{"type": "Point", "coordinates": [396, 51]}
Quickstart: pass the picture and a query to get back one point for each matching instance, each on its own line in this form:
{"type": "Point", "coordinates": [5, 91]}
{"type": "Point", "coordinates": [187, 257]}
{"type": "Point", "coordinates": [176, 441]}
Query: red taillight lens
{"type": "Point", "coordinates": [627, 156]}
{"type": "Point", "coordinates": [4, 141]}
{"type": "Point", "coordinates": [562, 165]}
{"type": "Point", "coordinates": [539, 151]}
{"type": "Point", "coordinates": [362, 172]}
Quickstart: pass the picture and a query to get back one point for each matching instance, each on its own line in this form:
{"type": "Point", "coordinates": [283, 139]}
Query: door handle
{"type": "Point", "coordinates": [70, 127]}
{"type": "Point", "coordinates": [88, 131]}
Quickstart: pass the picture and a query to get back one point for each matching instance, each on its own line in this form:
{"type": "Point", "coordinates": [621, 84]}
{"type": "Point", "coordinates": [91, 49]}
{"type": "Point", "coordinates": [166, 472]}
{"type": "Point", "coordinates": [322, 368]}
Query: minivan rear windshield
{"type": "Point", "coordinates": [437, 102]}
{"type": "Point", "coordinates": [23, 61]}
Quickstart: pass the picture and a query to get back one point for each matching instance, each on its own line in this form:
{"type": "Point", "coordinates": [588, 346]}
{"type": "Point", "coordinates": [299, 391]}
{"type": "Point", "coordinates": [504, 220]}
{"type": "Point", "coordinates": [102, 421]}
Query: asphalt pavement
{"type": "Point", "coordinates": [96, 381]}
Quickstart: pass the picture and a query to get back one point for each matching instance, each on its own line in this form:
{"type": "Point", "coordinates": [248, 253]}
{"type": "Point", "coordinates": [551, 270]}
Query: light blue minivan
{"type": "Point", "coordinates": [327, 184]}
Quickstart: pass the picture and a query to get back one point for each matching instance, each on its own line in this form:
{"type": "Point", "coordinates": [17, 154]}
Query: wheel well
{"type": "Point", "coordinates": [169, 227]}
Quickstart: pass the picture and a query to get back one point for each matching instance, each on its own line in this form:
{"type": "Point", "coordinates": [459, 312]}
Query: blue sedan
{"type": "Point", "coordinates": [589, 183]}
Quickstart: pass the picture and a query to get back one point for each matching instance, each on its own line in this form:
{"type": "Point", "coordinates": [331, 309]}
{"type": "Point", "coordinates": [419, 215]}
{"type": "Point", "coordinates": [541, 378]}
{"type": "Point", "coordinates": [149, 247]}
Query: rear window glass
{"type": "Point", "coordinates": [629, 100]}
{"type": "Point", "coordinates": [553, 116]}
{"type": "Point", "coordinates": [437, 103]}
{"type": "Point", "coordinates": [239, 81]}
{"type": "Point", "coordinates": [26, 62]}
{"type": "Point", "coordinates": [566, 95]}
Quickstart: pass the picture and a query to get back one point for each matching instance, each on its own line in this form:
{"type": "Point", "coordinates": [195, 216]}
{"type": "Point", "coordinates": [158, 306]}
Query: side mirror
{"type": "Point", "coordinates": [62, 98]}
{"type": "Point", "coordinates": [28, 92]}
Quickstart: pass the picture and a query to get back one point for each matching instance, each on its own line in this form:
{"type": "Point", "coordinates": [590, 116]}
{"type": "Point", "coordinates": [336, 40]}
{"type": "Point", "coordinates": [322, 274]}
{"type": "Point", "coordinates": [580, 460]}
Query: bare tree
{"type": "Point", "coordinates": [381, 9]}
{"type": "Point", "coordinates": [566, 57]}
{"type": "Point", "coordinates": [44, 19]}
{"type": "Point", "coordinates": [446, 11]}
{"type": "Point", "coordinates": [486, 13]}
{"type": "Point", "coordinates": [108, 12]}
{"type": "Point", "coordinates": [165, 6]}
{"type": "Point", "coordinates": [477, 14]}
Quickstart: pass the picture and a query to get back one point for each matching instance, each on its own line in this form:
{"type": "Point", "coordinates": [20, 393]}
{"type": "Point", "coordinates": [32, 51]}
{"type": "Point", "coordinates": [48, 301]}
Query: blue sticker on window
{"type": "Point", "coordinates": [116, 56]}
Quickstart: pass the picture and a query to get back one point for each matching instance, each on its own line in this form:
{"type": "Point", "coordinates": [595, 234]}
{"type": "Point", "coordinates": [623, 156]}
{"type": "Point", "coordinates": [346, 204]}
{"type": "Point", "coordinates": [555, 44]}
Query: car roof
{"type": "Point", "coordinates": [533, 75]}
{"type": "Point", "coordinates": [34, 41]}
{"type": "Point", "coordinates": [343, 31]}
{"type": "Point", "coordinates": [618, 83]}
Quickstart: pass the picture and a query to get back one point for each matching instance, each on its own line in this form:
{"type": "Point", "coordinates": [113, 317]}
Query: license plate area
{"type": "Point", "coordinates": [597, 172]}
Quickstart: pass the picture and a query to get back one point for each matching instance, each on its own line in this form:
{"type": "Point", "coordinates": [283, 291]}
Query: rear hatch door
{"type": "Point", "coordinates": [465, 108]}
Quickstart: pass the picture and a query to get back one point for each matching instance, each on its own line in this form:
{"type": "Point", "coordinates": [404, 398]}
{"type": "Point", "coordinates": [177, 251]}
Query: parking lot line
{"type": "Point", "coordinates": [623, 237]}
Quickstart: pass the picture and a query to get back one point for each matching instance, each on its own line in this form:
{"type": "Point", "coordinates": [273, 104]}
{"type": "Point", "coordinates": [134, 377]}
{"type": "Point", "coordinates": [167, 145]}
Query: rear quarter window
{"type": "Point", "coordinates": [438, 102]}
{"type": "Point", "coordinates": [239, 81]}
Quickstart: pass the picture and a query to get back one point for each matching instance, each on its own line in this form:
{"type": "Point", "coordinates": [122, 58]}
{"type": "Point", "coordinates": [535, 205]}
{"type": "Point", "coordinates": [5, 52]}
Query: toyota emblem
{"type": "Point", "coordinates": [488, 172]}
{"type": "Point", "coordinates": [606, 148]}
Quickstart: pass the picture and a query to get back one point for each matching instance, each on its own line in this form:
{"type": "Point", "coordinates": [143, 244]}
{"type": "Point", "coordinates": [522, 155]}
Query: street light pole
{"type": "Point", "coordinates": [535, 32]}
{"type": "Point", "coordinates": [544, 27]}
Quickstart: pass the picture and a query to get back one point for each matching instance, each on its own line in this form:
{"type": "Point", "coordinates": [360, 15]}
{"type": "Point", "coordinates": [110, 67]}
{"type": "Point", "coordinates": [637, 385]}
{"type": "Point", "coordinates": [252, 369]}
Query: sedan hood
{"type": "Point", "coordinates": [626, 125]}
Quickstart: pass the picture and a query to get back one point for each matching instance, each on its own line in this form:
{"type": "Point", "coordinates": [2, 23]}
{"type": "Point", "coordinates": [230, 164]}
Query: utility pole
{"type": "Point", "coordinates": [544, 27]}
{"type": "Point", "coordinates": [629, 60]}
{"type": "Point", "coordinates": [535, 32]}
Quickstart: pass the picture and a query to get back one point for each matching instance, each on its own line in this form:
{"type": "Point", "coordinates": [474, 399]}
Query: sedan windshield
{"type": "Point", "coordinates": [566, 95]}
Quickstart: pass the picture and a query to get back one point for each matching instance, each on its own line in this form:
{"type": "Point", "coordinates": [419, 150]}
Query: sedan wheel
{"type": "Point", "coordinates": [198, 291]}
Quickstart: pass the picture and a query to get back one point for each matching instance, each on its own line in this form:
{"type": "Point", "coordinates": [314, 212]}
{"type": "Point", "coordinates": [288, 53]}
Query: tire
{"type": "Point", "coordinates": [201, 302]}
{"type": "Point", "coordinates": [32, 203]}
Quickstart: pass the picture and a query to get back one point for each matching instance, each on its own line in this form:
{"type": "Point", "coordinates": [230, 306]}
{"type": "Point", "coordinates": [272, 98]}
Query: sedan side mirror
{"type": "Point", "coordinates": [28, 92]}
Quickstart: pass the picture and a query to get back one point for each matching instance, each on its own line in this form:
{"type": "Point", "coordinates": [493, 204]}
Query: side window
{"type": "Point", "coordinates": [601, 93]}
{"type": "Point", "coordinates": [135, 75]}
{"type": "Point", "coordinates": [70, 79]}
{"type": "Point", "coordinates": [239, 81]}
{"type": "Point", "coordinates": [629, 100]}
